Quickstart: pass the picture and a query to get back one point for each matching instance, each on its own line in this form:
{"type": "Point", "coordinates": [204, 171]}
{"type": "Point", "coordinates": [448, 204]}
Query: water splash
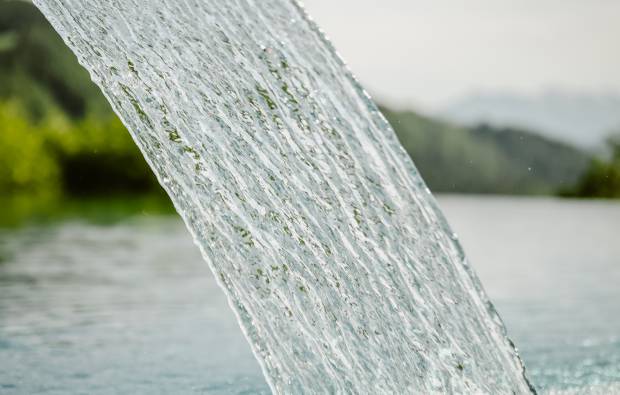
{"type": "Point", "coordinates": [341, 269]}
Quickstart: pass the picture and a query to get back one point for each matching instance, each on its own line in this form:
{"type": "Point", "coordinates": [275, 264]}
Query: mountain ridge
{"type": "Point", "coordinates": [583, 119]}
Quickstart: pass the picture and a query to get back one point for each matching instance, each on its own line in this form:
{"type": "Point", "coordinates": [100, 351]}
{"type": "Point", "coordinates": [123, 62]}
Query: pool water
{"type": "Point", "coordinates": [130, 307]}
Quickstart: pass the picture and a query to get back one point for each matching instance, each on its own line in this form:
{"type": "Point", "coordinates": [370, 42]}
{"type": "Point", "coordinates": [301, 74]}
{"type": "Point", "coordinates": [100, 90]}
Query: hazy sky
{"type": "Point", "coordinates": [426, 52]}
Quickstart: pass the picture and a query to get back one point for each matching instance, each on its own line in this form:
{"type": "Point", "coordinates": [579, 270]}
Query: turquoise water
{"type": "Point", "coordinates": [131, 307]}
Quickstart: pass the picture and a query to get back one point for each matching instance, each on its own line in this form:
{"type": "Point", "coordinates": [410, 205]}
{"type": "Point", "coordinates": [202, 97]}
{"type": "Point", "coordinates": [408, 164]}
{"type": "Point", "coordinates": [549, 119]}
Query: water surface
{"type": "Point", "coordinates": [131, 307]}
{"type": "Point", "coordinates": [552, 268]}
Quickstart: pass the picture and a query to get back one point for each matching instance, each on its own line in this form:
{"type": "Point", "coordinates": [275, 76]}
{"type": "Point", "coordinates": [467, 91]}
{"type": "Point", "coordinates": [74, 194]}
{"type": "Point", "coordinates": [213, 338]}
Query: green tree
{"type": "Point", "coordinates": [26, 165]}
{"type": "Point", "coordinates": [602, 179]}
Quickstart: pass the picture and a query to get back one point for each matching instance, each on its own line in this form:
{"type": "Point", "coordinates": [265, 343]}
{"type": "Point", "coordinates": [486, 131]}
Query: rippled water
{"type": "Point", "coordinates": [131, 307]}
{"type": "Point", "coordinates": [553, 270]}
{"type": "Point", "coordinates": [342, 271]}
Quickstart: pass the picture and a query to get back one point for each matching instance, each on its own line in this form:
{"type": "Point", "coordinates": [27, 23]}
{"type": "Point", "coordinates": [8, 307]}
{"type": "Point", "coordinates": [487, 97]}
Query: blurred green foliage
{"type": "Point", "coordinates": [49, 162]}
{"type": "Point", "coordinates": [38, 68]}
{"type": "Point", "coordinates": [59, 138]}
{"type": "Point", "coordinates": [26, 165]}
{"type": "Point", "coordinates": [58, 154]}
{"type": "Point", "coordinates": [602, 179]}
{"type": "Point", "coordinates": [58, 134]}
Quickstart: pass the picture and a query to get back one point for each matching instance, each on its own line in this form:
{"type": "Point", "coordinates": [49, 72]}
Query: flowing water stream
{"type": "Point", "coordinates": [332, 252]}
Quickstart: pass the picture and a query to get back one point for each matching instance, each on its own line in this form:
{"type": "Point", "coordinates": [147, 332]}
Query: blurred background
{"type": "Point", "coordinates": [487, 98]}
{"type": "Point", "coordinates": [510, 111]}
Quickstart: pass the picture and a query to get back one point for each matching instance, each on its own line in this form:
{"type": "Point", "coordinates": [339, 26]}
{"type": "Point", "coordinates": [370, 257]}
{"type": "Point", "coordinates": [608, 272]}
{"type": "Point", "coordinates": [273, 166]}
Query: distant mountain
{"type": "Point", "coordinates": [581, 119]}
{"type": "Point", "coordinates": [485, 159]}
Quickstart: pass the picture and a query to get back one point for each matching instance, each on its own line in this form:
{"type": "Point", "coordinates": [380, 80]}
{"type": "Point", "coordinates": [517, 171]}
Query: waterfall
{"type": "Point", "coordinates": [341, 269]}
